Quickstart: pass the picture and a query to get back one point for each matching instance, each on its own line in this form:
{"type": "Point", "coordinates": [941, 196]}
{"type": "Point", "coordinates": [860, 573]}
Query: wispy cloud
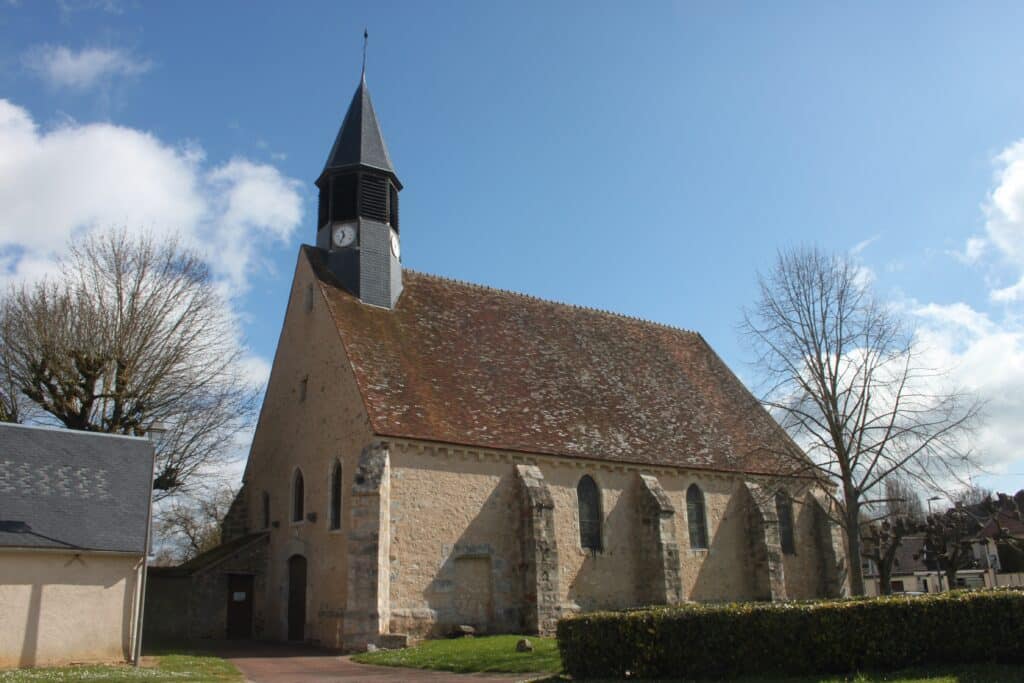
{"type": "Point", "coordinates": [862, 245]}
{"type": "Point", "coordinates": [62, 67]}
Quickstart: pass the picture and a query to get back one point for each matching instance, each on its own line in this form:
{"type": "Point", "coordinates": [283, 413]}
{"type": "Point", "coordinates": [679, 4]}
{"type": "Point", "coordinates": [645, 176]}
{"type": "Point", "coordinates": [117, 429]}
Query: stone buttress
{"type": "Point", "coordinates": [539, 552]}
{"type": "Point", "coordinates": [658, 580]}
{"type": "Point", "coordinates": [367, 610]}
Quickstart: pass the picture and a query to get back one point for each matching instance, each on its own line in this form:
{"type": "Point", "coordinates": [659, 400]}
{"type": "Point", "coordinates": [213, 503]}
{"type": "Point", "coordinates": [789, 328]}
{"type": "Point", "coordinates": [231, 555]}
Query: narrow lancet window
{"type": "Point", "coordinates": [266, 510]}
{"type": "Point", "coordinates": [336, 495]}
{"type": "Point", "coordinates": [696, 518]}
{"type": "Point", "coordinates": [298, 497]}
{"type": "Point", "coordinates": [784, 510]}
{"type": "Point", "coordinates": [589, 499]}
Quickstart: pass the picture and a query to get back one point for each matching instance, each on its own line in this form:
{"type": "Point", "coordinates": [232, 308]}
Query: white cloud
{"type": "Point", "coordinates": [61, 67]}
{"type": "Point", "coordinates": [58, 184]}
{"type": "Point", "coordinates": [1004, 224]}
{"type": "Point", "coordinates": [986, 358]}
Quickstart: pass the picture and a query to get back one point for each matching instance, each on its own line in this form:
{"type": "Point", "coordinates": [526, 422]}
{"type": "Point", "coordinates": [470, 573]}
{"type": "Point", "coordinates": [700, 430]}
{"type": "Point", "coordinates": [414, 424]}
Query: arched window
{"type": "Point", "coordinates": [335, 516]}
{"type": "Point", "coordinates": [298, 497]}
{"type": "Point", "coordinates": [784, 510]}
{"type": "Point", "coordinates": [589, 500]}
{"type": "Point", "coordinates": [266, 510]}
{"type": "Point", "coordinates": [696, 518]}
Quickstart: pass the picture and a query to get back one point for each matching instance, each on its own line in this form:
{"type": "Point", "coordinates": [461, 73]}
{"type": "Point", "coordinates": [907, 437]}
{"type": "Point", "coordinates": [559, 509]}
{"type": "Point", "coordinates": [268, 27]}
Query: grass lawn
{"type": "Point", "coordinates": [169, 667]}
{"type": "Point", "coordinates": [498, 654]}
{"type": "Point", "coordinates": [466, 655]}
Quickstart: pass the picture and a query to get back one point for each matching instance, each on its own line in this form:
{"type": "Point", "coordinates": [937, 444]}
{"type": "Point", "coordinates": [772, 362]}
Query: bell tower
{"type": "Point", "coordinates": [357, 221]}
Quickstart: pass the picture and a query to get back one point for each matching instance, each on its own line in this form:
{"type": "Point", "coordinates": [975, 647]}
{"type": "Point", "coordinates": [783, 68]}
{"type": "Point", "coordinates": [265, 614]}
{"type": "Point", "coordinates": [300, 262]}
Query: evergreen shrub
{"type": "Point", "coordinates": [796, 638]}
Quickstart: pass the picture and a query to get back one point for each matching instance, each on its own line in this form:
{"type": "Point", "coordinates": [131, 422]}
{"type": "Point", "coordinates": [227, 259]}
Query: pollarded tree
{"type": "Point", "coordinates": [846, 379]}
{"type": "Point", "coordinates": [131, 335]}
{"type": "Point", "coordinates": [949, 541]}
{"type": "Point", "coordinates": [880, 541]}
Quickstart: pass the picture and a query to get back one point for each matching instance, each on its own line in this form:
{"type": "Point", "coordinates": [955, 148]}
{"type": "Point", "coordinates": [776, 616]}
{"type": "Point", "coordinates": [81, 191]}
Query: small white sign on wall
{"type": "Point", "coordinates": [238, 596]}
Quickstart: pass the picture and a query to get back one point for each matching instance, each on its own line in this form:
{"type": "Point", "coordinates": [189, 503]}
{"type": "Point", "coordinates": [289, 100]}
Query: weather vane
{"type": "Point", "coordinates": [366, 38]}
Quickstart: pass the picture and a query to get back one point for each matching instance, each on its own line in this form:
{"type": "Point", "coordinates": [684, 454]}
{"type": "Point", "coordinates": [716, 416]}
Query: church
{"type": "Point", "coordinates": [433, 454]}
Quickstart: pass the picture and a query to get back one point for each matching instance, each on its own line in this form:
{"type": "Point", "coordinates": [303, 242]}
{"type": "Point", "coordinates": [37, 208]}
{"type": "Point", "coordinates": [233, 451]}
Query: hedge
{"type": "Point", "coordinates": [795, 638]}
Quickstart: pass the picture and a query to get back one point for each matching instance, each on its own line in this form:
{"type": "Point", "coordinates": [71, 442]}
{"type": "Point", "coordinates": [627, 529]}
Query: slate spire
{"type": "Point", "coordinates": [359, 143]}
{"type": "Point", "coordinates": [357, 216]}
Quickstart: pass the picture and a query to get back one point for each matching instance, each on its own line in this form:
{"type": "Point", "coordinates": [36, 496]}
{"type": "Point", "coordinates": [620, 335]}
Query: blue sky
{"type": "Point", "coordinates": [646, 158]}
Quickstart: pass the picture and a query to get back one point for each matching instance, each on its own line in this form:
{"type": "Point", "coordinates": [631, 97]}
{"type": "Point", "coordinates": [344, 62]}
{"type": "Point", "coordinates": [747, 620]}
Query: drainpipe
{"type": "Point", "coordinates": [141, 590]}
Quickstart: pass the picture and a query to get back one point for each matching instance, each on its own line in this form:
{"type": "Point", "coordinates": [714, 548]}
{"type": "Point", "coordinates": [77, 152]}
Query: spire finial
{"type": "Point", "coordinates": [366, 39]}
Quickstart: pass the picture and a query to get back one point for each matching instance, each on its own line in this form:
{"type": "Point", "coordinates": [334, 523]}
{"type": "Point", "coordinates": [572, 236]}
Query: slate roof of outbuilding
{"type": "Point", "coordinates": [469, 365]}
{"type": "Point", "coordinates": [73, 490]}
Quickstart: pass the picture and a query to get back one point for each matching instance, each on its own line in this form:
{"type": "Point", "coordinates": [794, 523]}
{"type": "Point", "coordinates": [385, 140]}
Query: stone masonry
{"type": "Point", "coordinates": [368, 594]}
{"type": "Point", "coordinates": [540, 552]}
{"type": "Point", "coordinates": [764, 502]}
{"type": "Point", "coordinates": [658, 577]}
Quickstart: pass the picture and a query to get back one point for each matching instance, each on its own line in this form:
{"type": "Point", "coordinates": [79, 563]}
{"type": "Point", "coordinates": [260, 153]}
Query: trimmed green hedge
{"type": "Point", "coordinates": [795, 638]}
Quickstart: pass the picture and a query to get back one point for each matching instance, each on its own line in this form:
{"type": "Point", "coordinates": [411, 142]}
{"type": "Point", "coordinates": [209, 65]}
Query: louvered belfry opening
{"type": "Point", "coordinates": [373, 197]}
{"type": "Point", "coordinates": [346, 196]}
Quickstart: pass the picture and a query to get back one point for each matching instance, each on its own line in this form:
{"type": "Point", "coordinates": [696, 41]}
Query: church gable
{"type": "Point", "coordinates": [469, 365]}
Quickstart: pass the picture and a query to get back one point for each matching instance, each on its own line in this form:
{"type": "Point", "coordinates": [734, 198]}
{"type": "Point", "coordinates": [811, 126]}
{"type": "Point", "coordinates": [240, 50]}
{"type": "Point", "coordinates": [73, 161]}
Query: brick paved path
{"type": "Point", "coordinates": [277, 663]}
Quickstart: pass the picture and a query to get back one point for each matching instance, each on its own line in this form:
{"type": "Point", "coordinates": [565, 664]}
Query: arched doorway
{"type": "Point", "coordinates": [296, 597]}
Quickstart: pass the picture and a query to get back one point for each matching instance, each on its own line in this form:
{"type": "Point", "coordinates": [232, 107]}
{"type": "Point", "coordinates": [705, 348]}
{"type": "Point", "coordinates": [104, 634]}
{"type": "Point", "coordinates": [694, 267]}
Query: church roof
{"type": "Point", "coordinates": [73, 490]}
{"type": "Point", "coordinates": [463, 364]}
{"type": "Point", "coordinates": [359, 141]}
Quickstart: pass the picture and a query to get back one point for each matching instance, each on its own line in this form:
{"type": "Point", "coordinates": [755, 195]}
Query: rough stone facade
{"type": "Point", "coordinates": [368, 606]}
{"type": "Point", "coordinates": [658, 580]}
{"type": "Point", "coordinates": [435, 535]}
{"type": "Point", "coordinates": [539, 564]}
{"type": "Point", "coordinates": [190, 601]}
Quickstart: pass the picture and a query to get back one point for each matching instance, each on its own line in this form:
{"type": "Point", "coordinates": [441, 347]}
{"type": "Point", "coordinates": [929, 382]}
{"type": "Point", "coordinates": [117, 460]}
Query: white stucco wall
{"type": "Point", "coordinates": [59, 607]}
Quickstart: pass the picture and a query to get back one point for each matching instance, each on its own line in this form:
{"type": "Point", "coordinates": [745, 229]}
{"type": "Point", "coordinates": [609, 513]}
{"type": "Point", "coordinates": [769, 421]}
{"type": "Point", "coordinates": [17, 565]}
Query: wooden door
{"type": "Point", "coordinates": [239, 606]}
{"type": "Point", "coordinates": [297, 597]}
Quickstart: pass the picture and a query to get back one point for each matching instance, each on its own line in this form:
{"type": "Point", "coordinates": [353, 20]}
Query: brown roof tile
{"type": "Point", "coordinates": [475, 366]}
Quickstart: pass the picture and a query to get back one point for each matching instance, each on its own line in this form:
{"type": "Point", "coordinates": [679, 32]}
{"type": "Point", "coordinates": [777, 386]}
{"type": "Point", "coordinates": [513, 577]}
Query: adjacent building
{"type": "Point", "coordinates": [74, 521]}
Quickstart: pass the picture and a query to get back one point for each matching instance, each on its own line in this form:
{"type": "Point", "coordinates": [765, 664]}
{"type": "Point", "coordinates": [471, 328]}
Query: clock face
{"type": "Point", "coordinates": [344, 235]}
{"type": "Point", "coordinates": [395, 247]}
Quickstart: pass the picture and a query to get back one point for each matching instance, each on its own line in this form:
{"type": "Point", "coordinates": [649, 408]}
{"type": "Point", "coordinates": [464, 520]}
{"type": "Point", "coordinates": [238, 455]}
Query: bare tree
{"type": "Point", "coordinates": [949, 541]}
{"type": "Point", "coordinates": [131, 335]}
{"type": "Point", "coordinates": [190, 525]}
{"type": "Point", "coordinates": [880, 542]}
{"type": "Point", "coordinates": [846, 379]}
{"type": "Point", "coordinates": [902, 500]}
{"type": "Point", "coordinates": [973, 495]}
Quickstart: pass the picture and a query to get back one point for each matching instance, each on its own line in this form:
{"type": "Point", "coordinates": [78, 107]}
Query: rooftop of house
{"type": "Point", "coordinates": [73, 490]}
{"type": "Point", "coordinates": [463, 364]}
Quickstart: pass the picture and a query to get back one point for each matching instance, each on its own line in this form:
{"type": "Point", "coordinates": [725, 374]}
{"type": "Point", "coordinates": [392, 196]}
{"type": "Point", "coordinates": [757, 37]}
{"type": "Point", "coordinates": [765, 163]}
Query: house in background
{"type": "Point", "coordinates": [992, 563]}
{"type": "Point", "coordinates": [74, 522]}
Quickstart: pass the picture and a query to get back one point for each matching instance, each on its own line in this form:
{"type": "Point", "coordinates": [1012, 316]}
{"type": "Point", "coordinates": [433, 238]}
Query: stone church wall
{"type": "Point", "coordinates": [312, 414]}
{"type": "Point", "coordinates": [457, 554]}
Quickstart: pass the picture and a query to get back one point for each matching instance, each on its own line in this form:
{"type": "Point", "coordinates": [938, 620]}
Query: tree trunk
{"type": "Point", "coordinates": [951, 577]}
{"type": "Point", "coordinates": [884, 580]}
{"type": "Point", "coordinates": [853, 560]}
